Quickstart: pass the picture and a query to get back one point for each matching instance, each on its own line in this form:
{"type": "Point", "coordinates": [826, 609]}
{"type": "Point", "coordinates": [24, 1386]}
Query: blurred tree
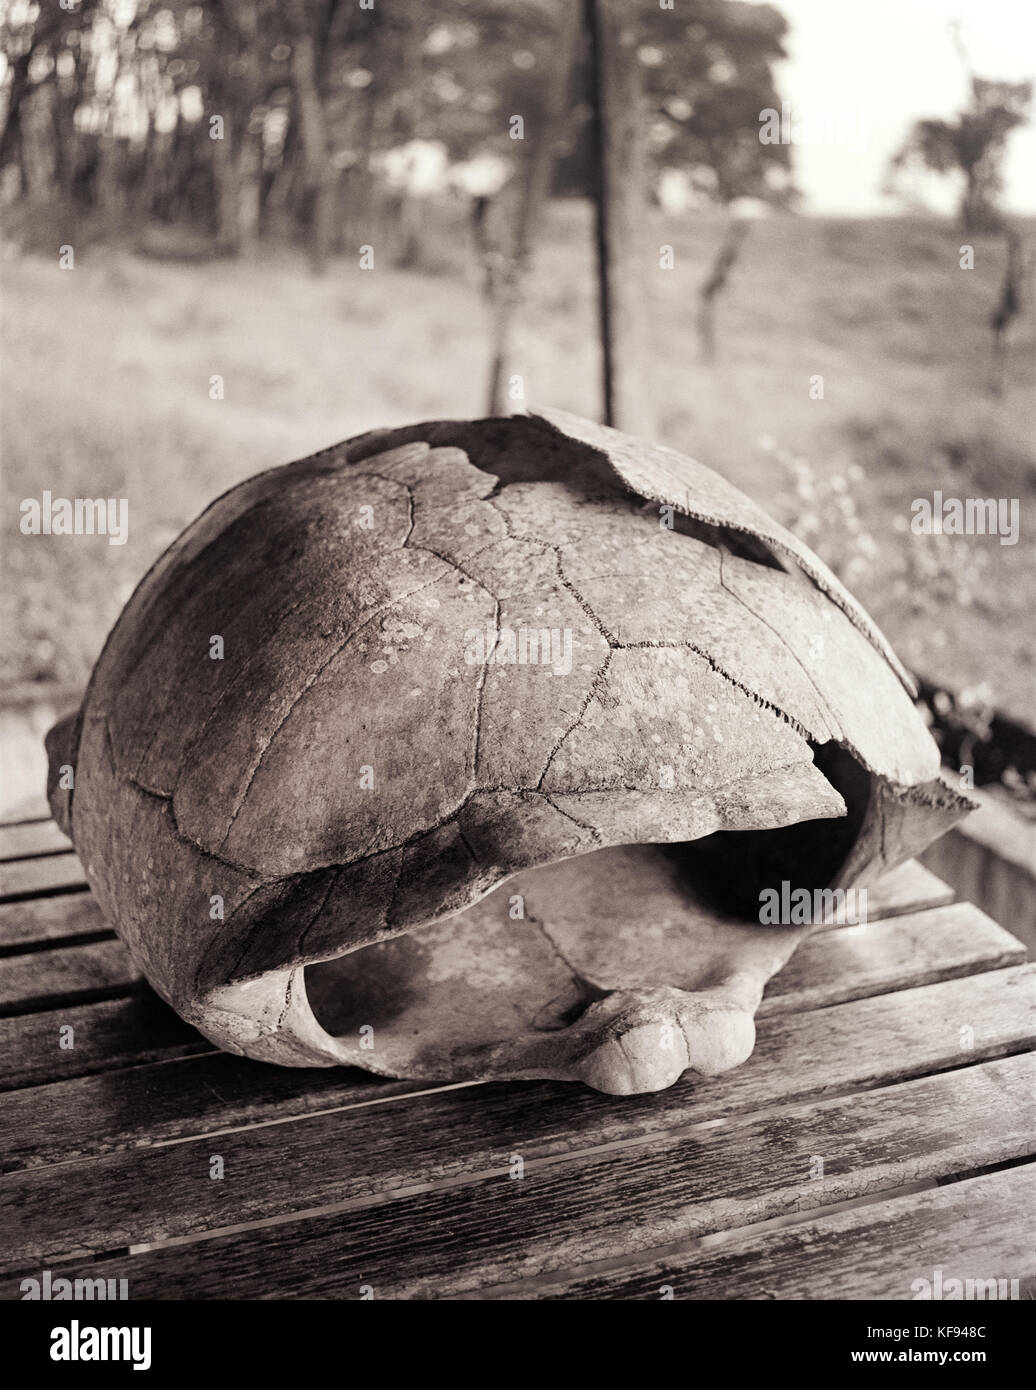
{"type": "Point", "coordinates": [508, 154]}
{"type": "Point", "coordinates": [706, 73]}
{"type": "Point", "coordinates": [108, 108]}
{"type": "Point", "coordinates": [707, 77]}
{"type": "Point", "coordinates": [974, 145]}
{"type": "Point", "coordinates": [1008, 306]}
{"type": "Point", "coordinates": [231, 86]}
{"type": "Point", "coordinates": [312, 29]}
{"type": "Point", "coordinates": [30, 38]}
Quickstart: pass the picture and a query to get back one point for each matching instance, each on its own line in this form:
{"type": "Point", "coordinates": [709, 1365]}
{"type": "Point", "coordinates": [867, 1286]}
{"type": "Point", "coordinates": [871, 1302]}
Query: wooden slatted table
{"type": "Point", "coordinates": [884, 1127]}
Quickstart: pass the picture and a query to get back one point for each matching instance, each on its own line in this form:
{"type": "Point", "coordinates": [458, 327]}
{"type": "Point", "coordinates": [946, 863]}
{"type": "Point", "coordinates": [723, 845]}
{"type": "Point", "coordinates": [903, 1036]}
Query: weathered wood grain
{"type": "Point", "coordinates": [37, 921]}
{"type": "Point", "coordinates": [324, 1138]}
{"type": "Point", "coordinates": [492, 1230]}
{"type": "Point", "coordinates": [31, 808]}
{"type": "Point", "coordinates": [35, 1049]}
{"type": "Point", "coordinates": [908, 888]}
{"type": "Point", "coordinates": [26, 878]}
{"type": "Point", "coordinates": [866, 1043]}
{"type": "Point", "coordinates": [830, 967]}
{"type": "Point", "coordinates": [976, 1229]}
{"type": "Point", "coordinates": [842, 963]}
{"type": "Point", "coordinates": [49, 979]}
{"type": "Point", "coordinates": [31, 838]}
{"type": "Point", "coordinates": [173, 1099]}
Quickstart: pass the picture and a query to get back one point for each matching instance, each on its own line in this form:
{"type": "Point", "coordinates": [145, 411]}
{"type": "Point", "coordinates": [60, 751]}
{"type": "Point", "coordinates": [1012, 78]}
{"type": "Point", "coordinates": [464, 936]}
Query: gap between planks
{"type": "Point", "coordinates": [32, 840]}
{"type": "Point", "coordinates": [48, 876]}
{"type": "Point", "coordinates": [41, 923]}
{"type": "Point", "coordinates": [829, 967]}
{"type": "Point", "coordinates": [491, 1230]}
{"type": "Point", "coordinates": [911, 1033]}
{"type": "Point", "coordinates": [883, 1249]}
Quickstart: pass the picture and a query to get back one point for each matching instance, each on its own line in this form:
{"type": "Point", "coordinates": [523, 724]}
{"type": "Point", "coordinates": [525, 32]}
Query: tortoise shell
{"type": "Point", "coordinates": [362, 691]}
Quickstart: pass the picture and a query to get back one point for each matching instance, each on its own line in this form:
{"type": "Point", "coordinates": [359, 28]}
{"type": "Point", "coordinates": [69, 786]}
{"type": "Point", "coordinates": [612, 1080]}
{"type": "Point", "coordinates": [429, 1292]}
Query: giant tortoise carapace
{"type": "Point", "coordinates": [470, 750]}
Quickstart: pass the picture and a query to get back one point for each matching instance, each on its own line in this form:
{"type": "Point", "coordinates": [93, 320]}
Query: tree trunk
{"type": "Point", "coordinates": [11, 131]}
{"type": "Point", "coordinates": [319, 174]}
{"type": "Point", "coordinates": [1007, 310]}
{"type": "Point", "coordinates": [248, 192]}
{"type": "Point", "coordinates": [224, 173]}
{"type": "Point", "coordinates": [506, 269]}
{"type": "Point", "coordinates": [730, 249]}
{"type": "Point", "coordinates": [106, 179]}
{"type": "Point", "coordinates": [234, 88]}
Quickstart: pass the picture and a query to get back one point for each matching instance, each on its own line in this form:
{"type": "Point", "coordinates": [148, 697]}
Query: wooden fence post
{"type": "Point", "coordinates": [617, 169]}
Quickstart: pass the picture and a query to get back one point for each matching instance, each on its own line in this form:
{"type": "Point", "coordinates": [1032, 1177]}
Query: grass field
{"type": "Point", "coordinates": [106, 393]}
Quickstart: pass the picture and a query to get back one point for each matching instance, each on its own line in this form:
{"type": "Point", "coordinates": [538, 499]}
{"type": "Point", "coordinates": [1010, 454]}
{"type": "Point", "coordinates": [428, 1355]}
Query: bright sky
{"type": "Point", "coordinates": [877, 65]}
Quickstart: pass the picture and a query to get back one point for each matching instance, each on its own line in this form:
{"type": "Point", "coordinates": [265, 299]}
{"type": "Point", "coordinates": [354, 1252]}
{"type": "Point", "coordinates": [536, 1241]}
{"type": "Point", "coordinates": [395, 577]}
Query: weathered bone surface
{"type": "Point", "coordinates": [384, 829]}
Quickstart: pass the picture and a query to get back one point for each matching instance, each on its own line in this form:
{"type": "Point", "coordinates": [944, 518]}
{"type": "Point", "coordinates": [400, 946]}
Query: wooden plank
{"type": "Point", "coordinates": [55, 873]}
{"type": "Point", "coordinates": [49, 979]}
{"type": "Point", "coordinates": [173, 1099]}
{"type": "Point", "coordinates": [39, 920]}
{"type": "Point", "coordinates": [492, 1229]}
{"type": "Point", "coordinates": [843, 963]}
{"type": "Point", "coordinates": [29, 808]}
{"type": "Point", "coordinates": [969, 1230]}
{"type": "Point", "coordinates": [908, 888]}
{"type": "Point", "coordinates": [38, 1048]}
{"type": "Point", "coordinates": [32, 838]}
{"type": "Point", "coordinates": [830, 967]}
{"type": "Point", "coordinates": [907, 1034]}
